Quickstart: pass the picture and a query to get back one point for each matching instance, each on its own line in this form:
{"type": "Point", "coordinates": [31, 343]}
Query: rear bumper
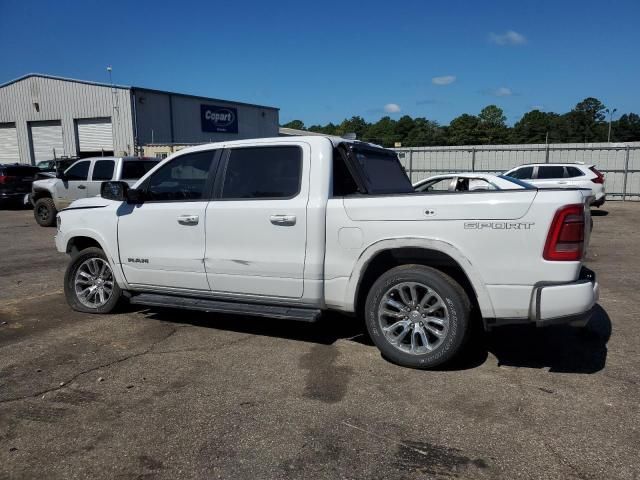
{"type": "Point", "coordinates": [598, 202]}
{"type": "Point", "coordinates": [566, 303]}
{"type": "Point", "coordinates": [559, 303]}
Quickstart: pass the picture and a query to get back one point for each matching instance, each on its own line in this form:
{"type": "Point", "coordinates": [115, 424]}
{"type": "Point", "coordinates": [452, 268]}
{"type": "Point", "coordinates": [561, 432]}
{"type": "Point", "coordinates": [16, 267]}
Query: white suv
{"type": "Point", "coordinates": [563, 175]}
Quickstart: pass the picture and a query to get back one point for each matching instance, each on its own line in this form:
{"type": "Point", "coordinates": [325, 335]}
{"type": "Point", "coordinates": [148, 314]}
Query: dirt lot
{"type": "Point", "coordinates": [175, 394]}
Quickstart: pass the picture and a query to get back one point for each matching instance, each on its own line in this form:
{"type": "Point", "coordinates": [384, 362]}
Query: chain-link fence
{"type": "Point", "coordinates": [620, 163]}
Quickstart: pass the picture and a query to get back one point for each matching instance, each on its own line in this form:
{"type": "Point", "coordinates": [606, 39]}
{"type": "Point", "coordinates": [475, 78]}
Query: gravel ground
{"type": "Point", "coordinates": [176, 394]}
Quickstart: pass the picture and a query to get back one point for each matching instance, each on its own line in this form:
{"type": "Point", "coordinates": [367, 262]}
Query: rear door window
{"type": "Point", "coordinates": [548, 172]}
{"type": "Point", "coordinates": [263, 172]}
{"type": "Point", "coordinates": [103, 170]}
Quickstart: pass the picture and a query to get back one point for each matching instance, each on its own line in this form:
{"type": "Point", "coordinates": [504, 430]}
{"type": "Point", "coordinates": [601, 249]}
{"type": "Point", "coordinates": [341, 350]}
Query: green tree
{"type": "Point", "coordinates": [382, 132]}
{"type": "Point", "coordinates": [356, 125]}
{"type": "Point", "coordinates": [492, 127]}
{"type": "Point", "coordinates": [297, 124]}
{"type": "Point", "coordinates": [592, 108]}
{"type": "Point", "coordinates": [585, 123]}
{"type": "Point", "coordinates": [534, 126]}
{"type": "Point", "coordinates": [626, 128]}
{"type": "Point", "coordinates": [424, 133]}
{"type": "Point", "coordinates": [464, 130]}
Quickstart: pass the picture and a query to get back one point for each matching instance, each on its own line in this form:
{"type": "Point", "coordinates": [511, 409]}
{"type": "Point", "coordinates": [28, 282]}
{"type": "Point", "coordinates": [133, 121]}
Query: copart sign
{"type": "Point", "coordinates": [218, 119]}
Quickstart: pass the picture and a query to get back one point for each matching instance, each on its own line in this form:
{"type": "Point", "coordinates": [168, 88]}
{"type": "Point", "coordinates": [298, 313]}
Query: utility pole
{"type": "Point", "coordinates": [610, 112]}
{"type": "Point", "coordinates": [115, 113]}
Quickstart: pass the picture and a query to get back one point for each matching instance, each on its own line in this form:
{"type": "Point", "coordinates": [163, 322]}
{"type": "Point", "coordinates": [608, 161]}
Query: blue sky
{"type": "Point", "coordinates": [324, 61]}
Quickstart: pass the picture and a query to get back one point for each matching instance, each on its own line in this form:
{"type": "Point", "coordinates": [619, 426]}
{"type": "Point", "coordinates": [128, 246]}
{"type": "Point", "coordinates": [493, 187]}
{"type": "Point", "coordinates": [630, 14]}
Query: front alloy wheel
{"type": "Point", "coordinates": [93, 283]}
{"type": "Point", "coordinates": [90, 285]}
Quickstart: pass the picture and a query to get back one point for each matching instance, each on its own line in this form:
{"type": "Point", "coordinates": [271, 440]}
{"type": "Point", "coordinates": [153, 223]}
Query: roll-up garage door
{"type": "Point", "coordinates": [95, 134]}
{"type": "Point", "coordinates": [46, 138]}
{"type": "Point", "coordinates": [8, 143]}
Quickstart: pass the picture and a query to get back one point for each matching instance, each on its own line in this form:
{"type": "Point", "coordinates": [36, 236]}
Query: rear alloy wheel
{"type": "Point", "coordinates": [45, 212]}
{"type": "Point", "coordinates": [417, 316]}
{"type": "Point", "coordinates": [90, 285]}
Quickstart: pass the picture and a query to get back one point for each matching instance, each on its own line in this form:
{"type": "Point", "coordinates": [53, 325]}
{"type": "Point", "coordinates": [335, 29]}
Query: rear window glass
{"type": "Point", "coordinates": [574, 172]}
{"type": "Point", "coordinates": [382, 171]}
{"type": "Point", "coordinates": [19, 171]}
{"type": "Point", "coordinates": [135, 169]}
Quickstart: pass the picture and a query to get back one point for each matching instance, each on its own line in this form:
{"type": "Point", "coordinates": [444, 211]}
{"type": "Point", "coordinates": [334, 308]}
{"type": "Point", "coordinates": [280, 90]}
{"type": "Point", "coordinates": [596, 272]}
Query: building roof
{"type": "Point", "coordinates": [64, 79]}
{"type": "Point", "coordinates": [124, 87]}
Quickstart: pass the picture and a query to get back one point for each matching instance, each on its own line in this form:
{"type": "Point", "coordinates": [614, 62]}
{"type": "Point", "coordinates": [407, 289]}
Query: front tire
{"type": "Point", "coordinates": [417, 316]}
{"type": "Point", "coordinates": [45, 212]}
{"type": "Point", "coordinates": [89, 283]}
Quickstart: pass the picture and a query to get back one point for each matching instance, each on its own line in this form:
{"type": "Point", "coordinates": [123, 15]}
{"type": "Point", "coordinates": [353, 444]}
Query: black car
{"type": "Point", "coordinates": [15, 183]}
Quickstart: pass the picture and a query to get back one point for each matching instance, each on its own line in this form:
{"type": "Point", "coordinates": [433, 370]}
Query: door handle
{"type": "Point", "coordinates": [563, 183]}
{"type": "Point", "coordinates": [284, 220]}
{"type": "Point", "coordinates": [81, 187]}
{"type": "Point", "coordinates": [188, 219]}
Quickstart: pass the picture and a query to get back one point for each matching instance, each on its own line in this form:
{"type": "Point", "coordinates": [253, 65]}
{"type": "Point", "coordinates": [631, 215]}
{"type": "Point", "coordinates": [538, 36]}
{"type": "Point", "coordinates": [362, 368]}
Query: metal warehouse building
{"type": "Point", "coordinates": [42, 117]}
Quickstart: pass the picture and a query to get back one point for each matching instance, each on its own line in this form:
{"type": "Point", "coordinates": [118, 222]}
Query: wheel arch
{"type": "Point", "coordinates": [386, 254]}
{"type": "Point", "coordinates": [80, 239]}
{"type": "Point", "coordinates": [81, 242]}
{"type": "Point", "coordinates": [39, 193]}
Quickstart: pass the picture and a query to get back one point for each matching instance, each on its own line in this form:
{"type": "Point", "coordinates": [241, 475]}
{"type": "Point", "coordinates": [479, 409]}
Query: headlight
{"type": "Point", "coordinates": [58, 222]}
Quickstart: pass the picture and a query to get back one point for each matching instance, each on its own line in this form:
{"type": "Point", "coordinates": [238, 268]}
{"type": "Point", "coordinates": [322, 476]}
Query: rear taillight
{"type": "Point", "coordinates": [599, 178]}
{"type": "Point", "coordinates": [565, 241]}
{"type": "Point", "coordinates": [6, 179]}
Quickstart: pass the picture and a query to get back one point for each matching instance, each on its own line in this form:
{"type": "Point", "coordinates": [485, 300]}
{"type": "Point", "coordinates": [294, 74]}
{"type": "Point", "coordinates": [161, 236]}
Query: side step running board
{"type": "Point", "coordinates": [220, 306]}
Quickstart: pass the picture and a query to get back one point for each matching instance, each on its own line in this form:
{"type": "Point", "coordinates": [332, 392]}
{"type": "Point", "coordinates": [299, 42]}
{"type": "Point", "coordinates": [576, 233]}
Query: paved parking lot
{"type": "Point", "coordinates": [175, 394]}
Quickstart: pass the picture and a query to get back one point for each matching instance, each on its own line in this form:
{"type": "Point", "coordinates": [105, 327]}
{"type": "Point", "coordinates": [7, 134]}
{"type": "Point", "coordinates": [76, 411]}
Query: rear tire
{"type": "Point", "coordinates": [45, 212]}
{"type": "Point", "coordinates": [89, 283]}
{"type": "Point", "coordinates": [417, 316]}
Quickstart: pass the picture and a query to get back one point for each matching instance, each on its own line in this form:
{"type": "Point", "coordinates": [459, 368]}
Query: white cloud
{"type": "Point", "coordinates": [392, 108]}
{"type": "Point", "coordinates": [444, 80]}
{"type": "Point", "coordinates": [502, 92]}
{"type": "Point", "coordinates": [507, 38]}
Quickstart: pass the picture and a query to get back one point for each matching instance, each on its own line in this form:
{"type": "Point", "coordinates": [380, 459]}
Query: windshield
{"type": "Point", "coordinates": [381, 170]}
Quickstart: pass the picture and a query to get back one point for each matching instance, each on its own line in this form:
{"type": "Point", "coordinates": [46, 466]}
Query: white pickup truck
{"type": "Point", "coordinates": [291, 227]}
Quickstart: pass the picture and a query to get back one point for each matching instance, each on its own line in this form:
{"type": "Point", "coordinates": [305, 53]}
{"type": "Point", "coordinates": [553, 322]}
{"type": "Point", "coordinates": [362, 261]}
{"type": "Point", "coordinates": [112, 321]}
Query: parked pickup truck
{"type": "Point", "coordinates": [291, 227]}
{"type": "Point", "coordinates": [83, 179]}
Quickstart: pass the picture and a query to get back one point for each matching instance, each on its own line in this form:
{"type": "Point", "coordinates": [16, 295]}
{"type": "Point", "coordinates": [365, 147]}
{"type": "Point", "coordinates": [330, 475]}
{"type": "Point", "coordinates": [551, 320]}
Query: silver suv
{"type": "Point", "coordinates": [563, 175]}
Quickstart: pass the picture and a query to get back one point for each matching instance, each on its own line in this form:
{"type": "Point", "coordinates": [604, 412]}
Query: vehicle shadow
{"type": "Point", "coordinates": [330, 328]}
{"type": "Point", "coordinates": [560, 348]}
{"type": "Point", "coordinates": [599, 213]}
